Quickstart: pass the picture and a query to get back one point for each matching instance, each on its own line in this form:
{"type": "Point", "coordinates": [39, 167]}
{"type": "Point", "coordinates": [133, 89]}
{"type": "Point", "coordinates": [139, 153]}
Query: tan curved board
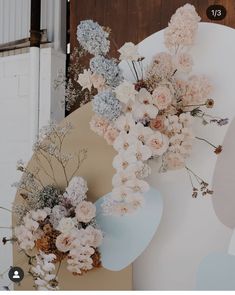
{"type": "Point", "coordinates": [97, 170]}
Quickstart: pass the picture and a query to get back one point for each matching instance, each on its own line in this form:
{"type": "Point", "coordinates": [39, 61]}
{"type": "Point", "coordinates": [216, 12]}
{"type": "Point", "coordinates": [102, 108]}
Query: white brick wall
{"type": "Point", "coordinates": [16, 119]}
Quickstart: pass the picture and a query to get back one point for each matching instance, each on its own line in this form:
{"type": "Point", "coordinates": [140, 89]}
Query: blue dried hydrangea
{"type": "Point", "coordinates": [92, 37]}
{"type": "Point", "coordinates": [108, 68]}
{"type": "Point", "coordinates": [106, 105]}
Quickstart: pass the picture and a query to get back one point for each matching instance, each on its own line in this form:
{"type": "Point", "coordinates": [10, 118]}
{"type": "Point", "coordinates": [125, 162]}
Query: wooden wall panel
{"type": "Point", "coordinates": [134, 20]}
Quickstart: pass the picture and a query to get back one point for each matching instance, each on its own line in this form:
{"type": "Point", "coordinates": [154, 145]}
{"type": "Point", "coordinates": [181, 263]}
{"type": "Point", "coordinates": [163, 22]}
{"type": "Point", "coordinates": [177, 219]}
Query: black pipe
{"type": "Point", "coordinates": [35, 23]}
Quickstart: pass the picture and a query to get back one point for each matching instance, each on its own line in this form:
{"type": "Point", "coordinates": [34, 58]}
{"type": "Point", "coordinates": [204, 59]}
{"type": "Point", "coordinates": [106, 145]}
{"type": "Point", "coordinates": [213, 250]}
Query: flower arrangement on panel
{"type": "Point", "coordinates": [152, 117]}
{"type": "Point", "coordinates": [54, 224]}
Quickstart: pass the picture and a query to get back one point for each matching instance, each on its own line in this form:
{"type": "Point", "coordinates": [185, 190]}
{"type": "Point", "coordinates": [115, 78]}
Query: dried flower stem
{"type": "Point", "coordinates": [133, 64]}
{"type": "Point", "coordinates": [194, 105]}
{"type": "Point", "coordinates": [59, 160]}
{"type": "Point", "coordinates": [44, 170]}
{"type": "Point", "coordinates": [205, 140]}
{"type": "Point", "coordinates": [133, 73]}
{"type": "Point", "coordinates": [141, 69]}
{"type": "Point", "coordinates": [190, 177]}
{"type": "Point", "coordinates": [198, 178]}
{"type": "Point", "coordinates": [80, 161]}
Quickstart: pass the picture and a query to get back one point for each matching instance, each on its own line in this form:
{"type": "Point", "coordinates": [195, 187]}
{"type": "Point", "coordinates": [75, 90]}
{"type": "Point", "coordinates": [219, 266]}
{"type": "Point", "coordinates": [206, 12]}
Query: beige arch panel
{"type": "Point", "coordinates": [97, 170]}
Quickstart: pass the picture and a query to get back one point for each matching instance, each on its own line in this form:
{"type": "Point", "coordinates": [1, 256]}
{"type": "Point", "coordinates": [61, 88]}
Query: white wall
{"type": "Point", "coordinates": [15, 21]}
{"type": "Point", "coordinates": [17, 116]}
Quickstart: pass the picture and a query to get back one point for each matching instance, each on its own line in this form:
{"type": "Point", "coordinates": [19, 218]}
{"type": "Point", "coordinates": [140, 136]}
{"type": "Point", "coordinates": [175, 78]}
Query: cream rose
{"type": "Point", "coordinates": [85, 211]}
{"type": "Point", "coordinates": [162, 97]}
{"type": "Point", "coordinates": [184, 62]}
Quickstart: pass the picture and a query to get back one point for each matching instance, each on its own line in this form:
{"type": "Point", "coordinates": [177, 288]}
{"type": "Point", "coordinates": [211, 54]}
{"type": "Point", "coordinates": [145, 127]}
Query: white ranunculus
{"type": "Point", "coordinates": [137, 185]}
{"type": "Point", "coordinates": [144, 96]}
{"type": "Point", "coordinates": [142, 152]}
{"type": "Point", "coordinates": [124, 141]}
{"type": "Point", "coordinates": [129, 51]}
{"type": "Point", "coordinates": [125, 92]}
{"type": "Point", "coordinates": [141, 132]}
{"type": "Point", "coordinates": [125, 122]}
{"type": "Point", "coordinates": [66, 225]}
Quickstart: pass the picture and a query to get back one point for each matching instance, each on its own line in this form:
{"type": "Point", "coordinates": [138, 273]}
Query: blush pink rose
{"type": "Point", "coordinates": [158, 123]}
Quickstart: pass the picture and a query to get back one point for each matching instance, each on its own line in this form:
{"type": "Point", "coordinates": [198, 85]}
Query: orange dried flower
{"type": "Point", "coordinates": [96, 259]}
{"type": "Point", "coordinates": [210, 103]}
{"type": "Point", "coordinates": [218, 150]}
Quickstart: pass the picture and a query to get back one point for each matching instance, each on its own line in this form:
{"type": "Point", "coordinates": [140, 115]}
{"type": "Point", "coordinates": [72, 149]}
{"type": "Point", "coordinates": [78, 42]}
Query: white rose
{"type": "Point", "coordinates": [85, 211]}
{"type": "Point", "coordinates": [129, 51]}
{"type": "Point", "coordinates": [64, 242]}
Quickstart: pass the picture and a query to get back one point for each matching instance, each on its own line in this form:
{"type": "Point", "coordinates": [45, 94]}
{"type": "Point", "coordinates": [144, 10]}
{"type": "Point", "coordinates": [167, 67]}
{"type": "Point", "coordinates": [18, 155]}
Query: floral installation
{"type": "Point", "coordinates": [55, 224]}
{"type": "Point", "coordinates": [152, 116]}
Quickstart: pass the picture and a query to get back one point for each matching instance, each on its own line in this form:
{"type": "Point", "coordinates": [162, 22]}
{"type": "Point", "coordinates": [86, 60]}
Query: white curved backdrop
{"type": "Point", "coordinates": [190, 229]}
